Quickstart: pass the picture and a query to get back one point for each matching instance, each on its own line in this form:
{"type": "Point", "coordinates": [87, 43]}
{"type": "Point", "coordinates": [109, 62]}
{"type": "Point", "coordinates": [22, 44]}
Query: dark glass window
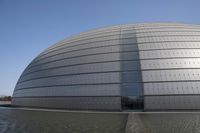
{"type": "Point", "coordinates": [132, 102]}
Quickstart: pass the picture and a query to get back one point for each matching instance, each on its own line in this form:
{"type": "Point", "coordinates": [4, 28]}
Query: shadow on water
{"type": "Point", "coordinates": [34, 121]}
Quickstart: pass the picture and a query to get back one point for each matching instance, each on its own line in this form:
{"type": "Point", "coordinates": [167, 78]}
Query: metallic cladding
{"type": "Point", "coordinates": [169, 57]}
{"type": "Point", "coordinates": [82, 72]}
{"type": "Point", "coordinates": [117, 67]}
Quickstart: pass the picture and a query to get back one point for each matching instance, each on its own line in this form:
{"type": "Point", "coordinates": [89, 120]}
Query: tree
{"type": "Point", "coordinates": [5, 98]}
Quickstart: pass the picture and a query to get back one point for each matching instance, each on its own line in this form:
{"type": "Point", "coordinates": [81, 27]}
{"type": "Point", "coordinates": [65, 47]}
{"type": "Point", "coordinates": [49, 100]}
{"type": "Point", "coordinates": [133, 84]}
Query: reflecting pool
{"type": "Point", "coordinates": [14, 120]}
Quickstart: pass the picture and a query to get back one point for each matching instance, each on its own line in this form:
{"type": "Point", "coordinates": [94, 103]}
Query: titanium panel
{"type": "Point", "coordinates": [76, 61]}
{"type": "Point", "coordinates": [169, 45]}
{"type": "Point", "coordinates": [170, 64]}
{"type": "Point", "coordinates": [171, 88]}
{"type": "Point", "coordinates": [172, 53]}
{"type": "Point", "coordinates": [171, 75]}
{"type": "Point", "coordinates": [100, 78]}
{"type": "Point", "coordinates": [179, 102]}
{"type": "Point", "coordinates": [74, 103]}
{"type": "Point", "coordinates": [77, 90]}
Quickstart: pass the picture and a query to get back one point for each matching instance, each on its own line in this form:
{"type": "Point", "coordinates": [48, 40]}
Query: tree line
{"type": "Point", "coordinates": [5, 98]}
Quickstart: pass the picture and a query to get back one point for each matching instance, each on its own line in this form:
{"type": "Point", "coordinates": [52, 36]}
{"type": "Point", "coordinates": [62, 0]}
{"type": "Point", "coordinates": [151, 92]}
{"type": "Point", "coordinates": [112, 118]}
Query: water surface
{"type": "Point", "coordinates": [27, 121]}
{"type": "Point", "coordinates": [37, 121]}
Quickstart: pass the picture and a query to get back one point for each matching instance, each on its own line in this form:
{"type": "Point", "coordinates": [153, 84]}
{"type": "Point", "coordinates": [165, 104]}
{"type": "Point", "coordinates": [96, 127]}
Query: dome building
{"type": "Point", "coordinates": [152, 66]}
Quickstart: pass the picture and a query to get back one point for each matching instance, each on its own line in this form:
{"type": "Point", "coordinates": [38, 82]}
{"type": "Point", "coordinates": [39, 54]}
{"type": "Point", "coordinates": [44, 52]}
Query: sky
{"type": "Point", "coordinates": [27, 27]}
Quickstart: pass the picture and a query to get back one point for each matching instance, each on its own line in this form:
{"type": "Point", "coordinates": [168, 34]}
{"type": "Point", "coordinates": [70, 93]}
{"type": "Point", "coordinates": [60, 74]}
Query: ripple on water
{"type": "Point", "coordinates": [19, 121]}
{"type": "Point", "coordinates": [24, 121]}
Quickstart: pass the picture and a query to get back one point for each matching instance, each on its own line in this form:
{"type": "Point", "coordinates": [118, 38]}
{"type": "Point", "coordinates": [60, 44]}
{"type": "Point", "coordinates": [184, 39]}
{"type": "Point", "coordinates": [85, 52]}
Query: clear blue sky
{"type": "Point", "coordinates": [27, 27]}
